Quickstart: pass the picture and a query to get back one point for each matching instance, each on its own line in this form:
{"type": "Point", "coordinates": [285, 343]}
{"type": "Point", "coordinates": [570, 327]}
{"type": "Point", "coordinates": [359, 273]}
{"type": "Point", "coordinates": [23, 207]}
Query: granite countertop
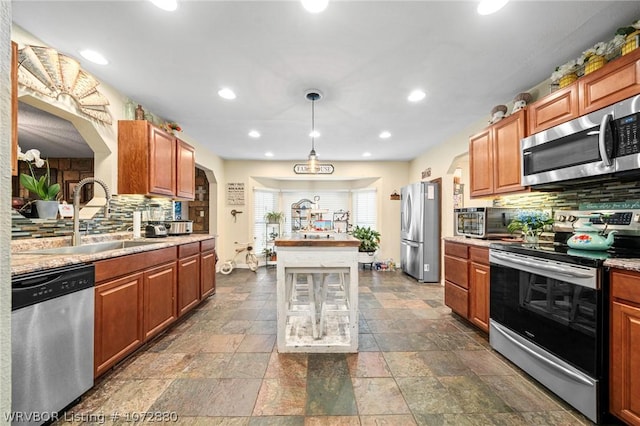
{"type": "Point", "coordinates": [628, 264]}
{"type": "Point", "coordinates": [321, 239]}
{"type": "Point", "coordinates": [23, 262]}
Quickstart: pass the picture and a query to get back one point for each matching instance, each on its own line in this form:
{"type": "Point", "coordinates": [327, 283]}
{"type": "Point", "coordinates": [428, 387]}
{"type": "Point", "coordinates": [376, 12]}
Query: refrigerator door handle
{"type": "Point", "coordinates": [411, 243]}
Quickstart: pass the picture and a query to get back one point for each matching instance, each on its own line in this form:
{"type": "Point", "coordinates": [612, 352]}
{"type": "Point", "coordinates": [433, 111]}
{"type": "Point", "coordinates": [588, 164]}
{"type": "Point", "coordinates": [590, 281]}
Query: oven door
{"type": "Point", "coordinates": [556, 306]}
{"type": "Point", "coordinates": [580, 148]}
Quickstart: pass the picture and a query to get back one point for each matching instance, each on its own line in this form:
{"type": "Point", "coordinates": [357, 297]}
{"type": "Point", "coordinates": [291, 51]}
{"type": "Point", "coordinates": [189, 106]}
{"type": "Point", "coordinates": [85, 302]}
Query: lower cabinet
{"type": "Point", "coordinates": [118, 320]}
{"type": "Point", "coordinates": [159, 299]}
{"type": "Point", "coordinates": [624, 362]}
{"type": "Point", "coordinates": [466, 286]}
{"type": "Point", "coordinates": [139, 295]}
{"type": "Point", "coordinates": [188, 277]}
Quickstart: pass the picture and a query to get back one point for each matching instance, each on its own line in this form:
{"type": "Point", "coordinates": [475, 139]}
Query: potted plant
{"type": "Point", "coordinates": [47, 204]}
{"type": "Point", "coordinates": [269, 254]}
{"type": "Point", "coordinates": [274, 217]}
{"type": "Point", "coordinates": [369, 243]}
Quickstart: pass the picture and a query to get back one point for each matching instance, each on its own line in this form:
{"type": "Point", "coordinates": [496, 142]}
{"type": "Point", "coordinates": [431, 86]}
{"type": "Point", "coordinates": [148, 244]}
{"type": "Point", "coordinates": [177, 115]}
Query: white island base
{"type": "Point", "coordinates": [317, 295]}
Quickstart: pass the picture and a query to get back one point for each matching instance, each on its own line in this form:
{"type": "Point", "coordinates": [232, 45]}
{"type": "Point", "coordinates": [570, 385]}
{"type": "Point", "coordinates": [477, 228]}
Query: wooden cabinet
{"type": "Point", "coordinates": [495, 157]}
{"type": "Point", "coordinates": [118, 320]}
{"type": "Point", "coordinates": [456, 277]}
{"type": "Point", "coordinates": [188, 277]}
{"type": "Point", "coordinates": [153, 162]}
{"type": "Point", "coordinates": [185, 170]}
{"type": "Point", "coordinates": [207, 268]}
{"type": "Point", "coordinates": [479, 287]}
{"type": "Point", "coordinates": [624, 362]}
{"type": "Point", "coordinates": [616, 81]}
{"type": "Point", "coordinates": [14, 109]}
{"type": "Point", "coordinates": [160, 301]}
{"type": "Point", "coordinates": [556, 108]}
{"type": "Point", "coordinates": [466, 286]}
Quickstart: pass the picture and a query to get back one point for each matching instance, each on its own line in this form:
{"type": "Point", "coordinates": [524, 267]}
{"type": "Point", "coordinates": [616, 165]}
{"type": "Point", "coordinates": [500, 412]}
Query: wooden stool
{"type": "Point", "coordinates": [301, 297]}
{"type": "Point", "coordinates": [339, 292]}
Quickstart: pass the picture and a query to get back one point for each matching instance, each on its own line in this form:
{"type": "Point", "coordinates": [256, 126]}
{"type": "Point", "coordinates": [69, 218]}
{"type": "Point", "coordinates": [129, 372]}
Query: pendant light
{"type": "Point", "coordinates": [312, 162]}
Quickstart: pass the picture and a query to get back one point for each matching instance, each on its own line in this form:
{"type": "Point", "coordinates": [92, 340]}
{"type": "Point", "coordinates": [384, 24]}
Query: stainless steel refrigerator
{"type": "Point", "coordinates": [420, 231]}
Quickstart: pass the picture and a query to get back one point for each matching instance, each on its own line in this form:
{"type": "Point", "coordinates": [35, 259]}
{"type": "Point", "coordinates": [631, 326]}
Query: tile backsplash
{"type": "Point", "coordinates": [121, 219]}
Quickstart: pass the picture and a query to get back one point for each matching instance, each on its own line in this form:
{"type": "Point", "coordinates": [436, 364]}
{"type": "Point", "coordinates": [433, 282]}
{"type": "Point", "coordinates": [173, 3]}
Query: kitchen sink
{"type": "Point", "coordinates": [92, 248]}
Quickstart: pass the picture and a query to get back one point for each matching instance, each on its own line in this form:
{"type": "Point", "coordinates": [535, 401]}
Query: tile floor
{"type": "Point", "coordinates": [417, 364]}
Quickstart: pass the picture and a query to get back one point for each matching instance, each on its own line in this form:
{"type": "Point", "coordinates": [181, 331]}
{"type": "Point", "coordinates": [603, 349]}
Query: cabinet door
{"type": "Point", "coordinates": [118, 320]}
{"type": "Point", "coordinates": [614, 82]}
{"type": "Point", "coordinates": [160, 301]}
{"type": "Point", "coordinates": [207, 273]}
{"type": "Point", "coordinates": [162, 162]}
{"type": "Point", "coordinates": [506, 135]}
{"type": "Point", "coordinates": [557, 108]}
{"type": "Point", "coordinates": [188, 283]}
{"type": "Point", "coordinates": [625, 362]}
{"type": "Point", "coordinates": [185, 171]}
{"type": "Point", "coordinates": [14, 109]}
{"type": "Point", "coordinates": [481, 161]}
{"type": "Point", "coordinates": [479, 295]}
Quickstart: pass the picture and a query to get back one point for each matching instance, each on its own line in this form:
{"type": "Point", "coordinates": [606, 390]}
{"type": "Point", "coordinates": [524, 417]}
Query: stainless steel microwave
{"type": "Point", "coordinates": [602, 143]}
{"type": "Point", "coordinates": [483, 222]}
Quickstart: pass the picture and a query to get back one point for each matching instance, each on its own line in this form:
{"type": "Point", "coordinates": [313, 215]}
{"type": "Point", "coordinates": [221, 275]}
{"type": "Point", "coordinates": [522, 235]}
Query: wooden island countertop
{"type": "Point", "coordinates": [318, 240]}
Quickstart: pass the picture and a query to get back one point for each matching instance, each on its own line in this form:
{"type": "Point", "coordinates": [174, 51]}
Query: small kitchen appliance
{"type": "Point", "coordinates": [483, 222]}
{"type": "Point", "coordinates": [155, 227]}
{"type": "Point", "coordinates": [179, 227]}
{"type": "Point", "coordinates": [544, 295]}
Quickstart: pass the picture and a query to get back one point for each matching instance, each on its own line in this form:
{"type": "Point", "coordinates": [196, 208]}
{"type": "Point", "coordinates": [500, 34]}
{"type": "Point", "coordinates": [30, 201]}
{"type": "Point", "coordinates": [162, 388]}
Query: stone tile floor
{"type": "Point", "coordinates": [417, 364]}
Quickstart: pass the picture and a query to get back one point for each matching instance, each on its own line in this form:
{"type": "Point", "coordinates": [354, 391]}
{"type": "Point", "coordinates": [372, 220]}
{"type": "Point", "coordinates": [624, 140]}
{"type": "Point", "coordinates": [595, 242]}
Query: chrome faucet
{"type": "Point", "coordinates": [76, 205]}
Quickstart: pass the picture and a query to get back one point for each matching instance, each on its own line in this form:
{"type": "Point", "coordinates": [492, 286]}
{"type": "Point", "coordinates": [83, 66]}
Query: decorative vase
{"type": "Point", "coordinates": [594, 63]}
{"type": "Point", "coordinates": [567, 80]}
{"type": "Point", "coordinates": [531, 236]}
{"type": "Point", "coordinates": [47, 209]}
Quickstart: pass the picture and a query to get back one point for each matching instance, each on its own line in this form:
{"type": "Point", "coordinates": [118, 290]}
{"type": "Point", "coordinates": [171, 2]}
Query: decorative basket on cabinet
{"type": "Point", "coordinates": [594, 63]}
{"type": "Point", "coordinates": [631, 43]}
{"type": "Point", "coordinates": [567, 80]}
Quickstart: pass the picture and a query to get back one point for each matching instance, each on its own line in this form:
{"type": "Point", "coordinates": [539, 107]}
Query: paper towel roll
{"type": "Point", "coordinates": [136, 224]}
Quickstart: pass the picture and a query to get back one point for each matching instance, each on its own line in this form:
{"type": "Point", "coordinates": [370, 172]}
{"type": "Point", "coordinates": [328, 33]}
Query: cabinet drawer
{"type": "Point", "coordinates": [479, 254]}
{"type": "Point", "coordinates": [456, 298]}
{"type": "Point", "coordinates": [625, 285]}
{"type": "Point", "coordinates": [190, 249]}
{"type": "Point", "coordinates": [207, 245]}
{"type": "Point", "coordinates": [455, 270]}
{"type": "Point", "coordinates": [123, 265]}
{"type": "Point", "coordinates": [455, 249]}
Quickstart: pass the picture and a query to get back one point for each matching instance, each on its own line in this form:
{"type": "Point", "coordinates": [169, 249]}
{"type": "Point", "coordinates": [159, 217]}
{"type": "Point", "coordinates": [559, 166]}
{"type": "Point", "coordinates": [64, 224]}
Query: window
{"type": "Point", "coordinates": [264, 201]}
{"type": "Point", "coordinates": [365, 207]}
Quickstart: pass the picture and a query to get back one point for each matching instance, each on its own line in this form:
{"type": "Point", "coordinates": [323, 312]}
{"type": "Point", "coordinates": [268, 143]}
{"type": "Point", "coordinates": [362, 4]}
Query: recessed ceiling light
{"type": "Point", "coordinates": [254, 134]}
{"type": "Point", "coordinates": [314, 134]}
{"type": "Point", "coordinates": [366, 154]}
{"type": "Point", "coordinates": [93, 56]}
{"type": "Point", "coordinates": [268, 154]}
{"type": "Point", "coordinates": [315, 6]}
{"type": "Point", "coordinates": [168, 5]}
{"type": "Point", "coordinates": [487, 7]}
{"type": "Point", "coordinates": [416, 96]}
{"type": "Point", "coordinates": [226, 93]}
{"type": "Point", "coordinates": [385, 135]}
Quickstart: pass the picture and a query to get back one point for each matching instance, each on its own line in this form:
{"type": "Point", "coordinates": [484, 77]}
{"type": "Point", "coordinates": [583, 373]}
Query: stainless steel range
{"type": "Point", "coordinates": [548, 307]}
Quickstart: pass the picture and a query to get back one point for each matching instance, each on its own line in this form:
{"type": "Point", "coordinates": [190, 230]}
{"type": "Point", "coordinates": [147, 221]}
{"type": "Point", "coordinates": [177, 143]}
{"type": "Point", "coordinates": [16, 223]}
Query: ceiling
{"type": "Point", "coordinates": [365, 56]}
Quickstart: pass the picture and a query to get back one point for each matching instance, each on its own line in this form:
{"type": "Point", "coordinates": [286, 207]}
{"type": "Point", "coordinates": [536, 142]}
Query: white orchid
{"type": "Point", "coordinates": [41, 186]}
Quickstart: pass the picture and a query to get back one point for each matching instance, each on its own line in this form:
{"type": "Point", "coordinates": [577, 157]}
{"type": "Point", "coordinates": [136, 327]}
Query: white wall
{"type": "Point", "coordinates": [386, 177]}
{"type": "Point", "coordinates": [5, 213]}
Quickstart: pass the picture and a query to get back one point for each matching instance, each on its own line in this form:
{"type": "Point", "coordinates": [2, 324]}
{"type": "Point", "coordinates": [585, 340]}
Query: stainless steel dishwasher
{"type": "Point", "coordinates": [52, 322]}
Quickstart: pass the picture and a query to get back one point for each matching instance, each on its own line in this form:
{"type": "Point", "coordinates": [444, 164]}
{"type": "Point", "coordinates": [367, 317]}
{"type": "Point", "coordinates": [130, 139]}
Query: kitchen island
{"type": "Point", "coordinates": [317, 293]}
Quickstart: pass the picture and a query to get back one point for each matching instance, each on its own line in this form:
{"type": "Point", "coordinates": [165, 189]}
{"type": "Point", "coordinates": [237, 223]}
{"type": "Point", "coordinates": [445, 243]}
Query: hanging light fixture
{"type": "Point", "coordinates": [312, 162]}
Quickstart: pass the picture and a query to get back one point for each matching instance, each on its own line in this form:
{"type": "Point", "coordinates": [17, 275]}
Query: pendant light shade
{"type": "Point", "coordinates": [312, 161]}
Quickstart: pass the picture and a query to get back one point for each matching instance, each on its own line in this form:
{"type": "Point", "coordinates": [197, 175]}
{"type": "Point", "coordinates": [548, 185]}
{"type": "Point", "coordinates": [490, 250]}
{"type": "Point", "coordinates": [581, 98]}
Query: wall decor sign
{"type": "Point", "coordinates": [426, 173]}
{"type": "Point", "coordinates": [303, 169]}
{"type": "Point", "coordinates": [235, 193]}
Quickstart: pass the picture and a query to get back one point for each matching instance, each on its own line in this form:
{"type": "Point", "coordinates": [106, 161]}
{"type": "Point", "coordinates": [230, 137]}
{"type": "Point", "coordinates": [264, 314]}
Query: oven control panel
{"type": "Point", "coordinates": [623, 221]}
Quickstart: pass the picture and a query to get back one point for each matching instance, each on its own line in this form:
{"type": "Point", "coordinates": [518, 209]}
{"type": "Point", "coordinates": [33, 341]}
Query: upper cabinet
{"type": "Point", "coordinates": [616, 81]}
{"type": "Point", "coordinates": [495, 157]}
{"type": "Point", "coordinates": [154, 162]}
{"type": "Point", "coordinates": [14, 109]}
